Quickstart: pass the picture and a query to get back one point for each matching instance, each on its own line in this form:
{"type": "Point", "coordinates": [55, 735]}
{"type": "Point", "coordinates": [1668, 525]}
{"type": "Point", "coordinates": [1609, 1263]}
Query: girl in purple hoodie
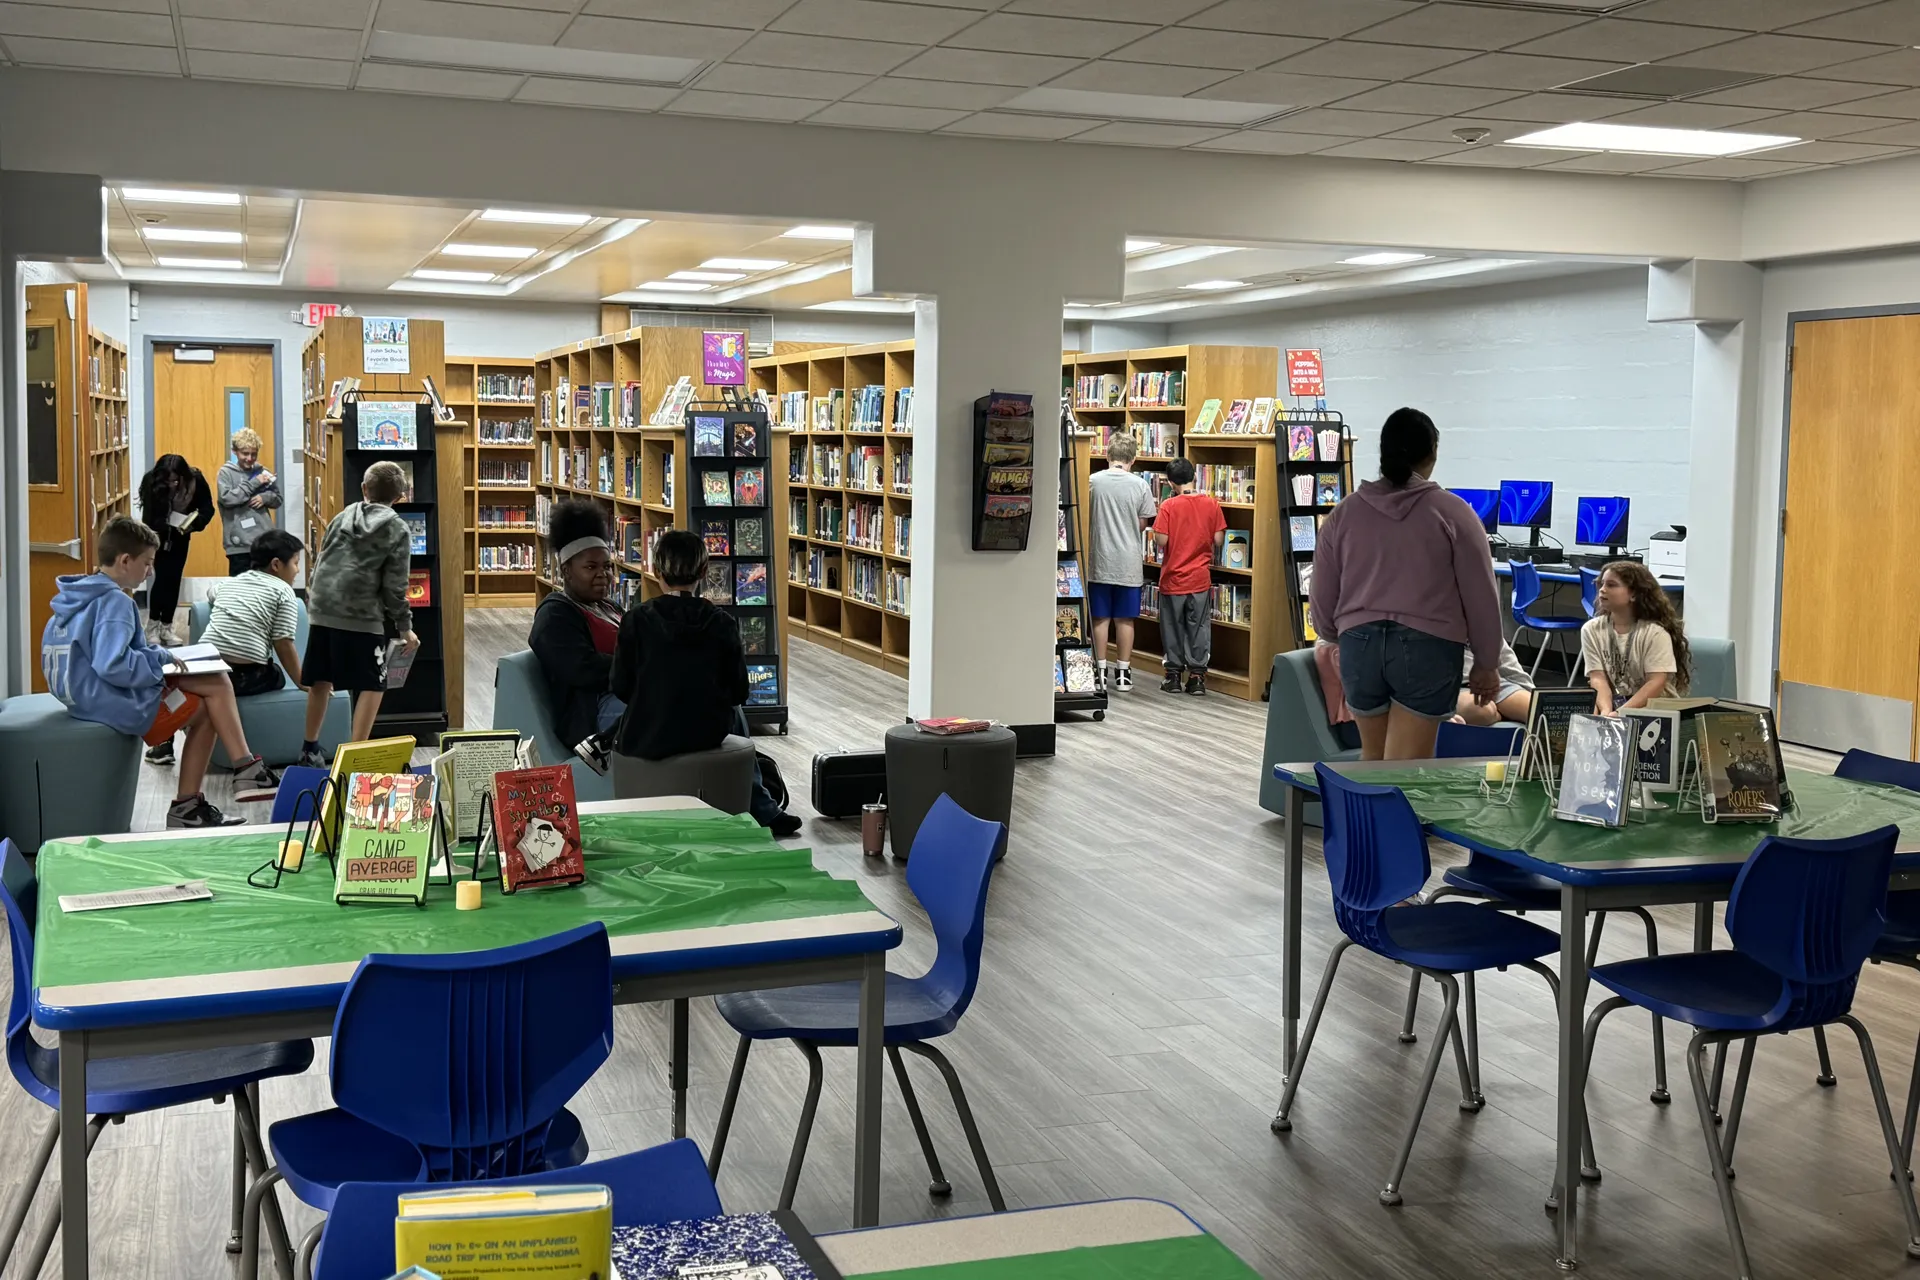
{"type": "Point", "coordinates": [1403, 581]}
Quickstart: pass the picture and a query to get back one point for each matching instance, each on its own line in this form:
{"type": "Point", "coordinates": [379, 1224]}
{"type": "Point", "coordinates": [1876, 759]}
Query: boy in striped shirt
{"type": "Point", "coordinates": [254, 616]}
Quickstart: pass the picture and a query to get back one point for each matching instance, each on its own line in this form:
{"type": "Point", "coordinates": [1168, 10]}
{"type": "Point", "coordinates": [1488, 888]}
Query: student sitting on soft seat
{"type": "Point", "coordinates": [254, 615]}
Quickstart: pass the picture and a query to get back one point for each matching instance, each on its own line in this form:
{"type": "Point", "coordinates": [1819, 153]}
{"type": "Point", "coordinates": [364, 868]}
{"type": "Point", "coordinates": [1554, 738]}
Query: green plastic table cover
{"type": "Point", "coordinates": [1181, 1258]}
{"type": "Point", "coordinates": [1448, 798]}
{"type": "Point", "coordinates": [646, 873]}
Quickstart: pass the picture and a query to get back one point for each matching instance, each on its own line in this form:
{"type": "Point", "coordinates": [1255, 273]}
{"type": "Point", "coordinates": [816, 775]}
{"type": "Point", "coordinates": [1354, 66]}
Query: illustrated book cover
{"type": "Point", "coordinates": [750, 583]}
{"type": "Point", "coordinates": [536, 828]}
{"type": "Point", "coordinates": [709, 436]}
{"type": "Point", "coordinates": [481, 753]}
{"type": "Point", "coordinates": [1739, 781]}
{"type": "Point", "coordinates": [376, 755]}
{"type": "Point", "coordinates": [763, 684]}
{"type": "Point", "coordinates": [1595, 771]}
{"type": "Point", "coordinates": [750, 487]}
{"type": "Point", "coordinates": [714, 491]}
{"type": "Point", "coordinates": [1550, 713]}
{"type": "Point", "coordinates": [386, 839]}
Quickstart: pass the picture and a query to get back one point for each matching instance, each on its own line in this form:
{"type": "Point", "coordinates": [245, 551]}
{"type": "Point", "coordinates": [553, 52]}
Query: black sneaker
{"type": "Point", "coordinates": [1099, 679]}
{"type": "Point", "coordinates": [314, 760]}
{"type": "Point", "coordinates": [162, 754]}
{"type": "Point", "coordinates": [1197, 685]}
{"type": "Point", "coordinates": [1172, 683]}
{"type": "Point", "coordinates": [784, 825]}
{"type": "Point", "coordinates": [194, 811]}
{"type": "Point", "coordinates": [1123, 680]}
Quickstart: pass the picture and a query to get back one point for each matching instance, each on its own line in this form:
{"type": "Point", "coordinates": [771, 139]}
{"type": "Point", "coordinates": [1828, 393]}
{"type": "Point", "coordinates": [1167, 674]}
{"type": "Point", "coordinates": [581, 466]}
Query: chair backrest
{"type": "Point", "coordinates": [1376, 853]}
{"type": "Point", "coordinates": [22, 893]}
{"type": "Point", "coordinates": [1526, 587]}
{"type": "Point", "coordinates": [1457, 740]}
{"type": "Point", "coordinates": [295, 781]}
{"type": "Point", "coordinates": [1811, 910]}
{"type": "Point", "coordinates": [948, 868]}
{"type": "Point", "coordinates": [1590, 590]}
{"type": "Point", "coordinates": [1864, 766]}
{"type": "Point", "coordinates": [667, 1183]}
{"type": "Point", "coordinates": [1715, 673]}
{"type": "Point", "coordinates": [469, 1056]}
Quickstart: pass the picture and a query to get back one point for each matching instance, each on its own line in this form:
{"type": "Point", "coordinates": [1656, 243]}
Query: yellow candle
{"type": "Point", "coordinates": [291, 853]}
{"type": "Point", "coordinates": [1496, 771]}
{"type": "Point", "coordinates": [466, 895]}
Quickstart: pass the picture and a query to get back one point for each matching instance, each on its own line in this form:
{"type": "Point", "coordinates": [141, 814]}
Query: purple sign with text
{"type": "Point", "coordinates": [724, 362]}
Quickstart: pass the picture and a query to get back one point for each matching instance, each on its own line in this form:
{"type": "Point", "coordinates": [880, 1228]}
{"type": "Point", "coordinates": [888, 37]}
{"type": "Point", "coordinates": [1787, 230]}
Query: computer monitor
{"type": "Point", "coordinates": [1601, 522]}
{"type": "Point", "coordinates": [1527, 504]}
{"type": "Point", "coordinates": [1485, 504]}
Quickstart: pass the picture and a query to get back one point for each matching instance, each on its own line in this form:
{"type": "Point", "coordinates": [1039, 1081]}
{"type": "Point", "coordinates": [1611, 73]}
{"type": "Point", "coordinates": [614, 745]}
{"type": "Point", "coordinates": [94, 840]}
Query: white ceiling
{"type": "Point", "coordinates": [1370, 79]}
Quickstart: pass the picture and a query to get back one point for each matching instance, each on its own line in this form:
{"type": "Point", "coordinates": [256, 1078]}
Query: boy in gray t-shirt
{"type": "Point", "coordinates": [1119, 506]}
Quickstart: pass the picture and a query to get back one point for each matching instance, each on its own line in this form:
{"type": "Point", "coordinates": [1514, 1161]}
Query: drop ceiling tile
{"type": "Point", "coordinates": [54, 22]}
{"type": "Point", "coordinates": [1558, 108]}
{"type": "Point", "coordinates": [871, 115]}
{"type": "Point", "coordinates": [437, 80]}
{"type": "Point", "coordinates": [1904, 134]}
{"type": "Point", "coordinates": [270, 37]}
{"type": "Point", "coordinates": [1368, 61]}
{"type": "Point", "coordinates": [1836, 152]}
{"type": "Point", "coordinates": [782, 82]}
{"type": "Point", "coordinates": [1267, 143]}
{"type": "Point", "coordinates": [314, 13]}
{"type": "Point", "coordinates": [1903, 104]}
{"type": "Point", "coordinates": [1696, 115]}
{"type": "Point", "coordinates": [1740, 15]}
{"type": "Point", "coordinates": [1426, 99]}
{"type": "Point", "coordinates": [1732, 167]}
{"type": "Point", "coordinates": [664, 39]}
{"type": "Point", "coordinates": [1128, 133]}
{"type": "Point", "coordinates": [213, 64]}
{"type": "Point", "coordinates": [1352, 124]}
{"type": "Point", "coordinates": [1517, 71]}
{"type": "Point", "coordinates": [1889, 22]}
{"type": "Point", "coordinates": [120, 6]}
{"type": "Point", "coordinates": [1391, 149]}
{"type": "Point", "coordinates": [1459, 26]}
{"type": "Point", "coordinates": [969, 66]}
{"type": "Point", "coordinates": [1491, 157]}
{"type": "Point", "coordinates": [1285, 90]}
{"type": "Point", "coordinates": [746, 106]}
{"type": "Point", "coordinates": [470, 21]}
{"type": "Point", "coordinates": [1605, 162]}
{"type": "Point", "coordinates": [593, 93]}
{"type": "Point", "coordinates": [1193, 47]}
{"type": "Point", "coordinates": [1777, 54]}
{"type": "Point", "coordinates": [1823, 125]}
{"type": "Point", "coordinates": [1323, 18]}
{"type": "Point", "coordinates": [1066, 37]}
{"type": "Point", "coordinates": [1103, 76]}
{"type": "Point", "coordinates": [1902, 66]}
{"type": "Point", "coordinates": [32, 51]}
{"type": "Point", "coordinates": [1005, 124]}
{"type": "Point", "coordinates": [866, 19]}
{"type": "Point", "coordinates": [1498, 131]}
{"type": "Point", "coordinates": [1626, 40]}
{"type": "Point", "coordinates": [715, 13]}
{"type": "Point", "coordinates": [933, 93]}
{"type": "Point", "coordinates": [817, 53]}
{"type": "Point", "coordinates": [1798, 93]}
{"type": "Point", "coordinates": [1149, 11]}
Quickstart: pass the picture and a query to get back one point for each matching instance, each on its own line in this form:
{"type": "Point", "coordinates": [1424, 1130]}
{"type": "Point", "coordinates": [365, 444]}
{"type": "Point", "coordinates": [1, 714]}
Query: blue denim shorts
{"type": "Point", "coordinates": [1386, 662]}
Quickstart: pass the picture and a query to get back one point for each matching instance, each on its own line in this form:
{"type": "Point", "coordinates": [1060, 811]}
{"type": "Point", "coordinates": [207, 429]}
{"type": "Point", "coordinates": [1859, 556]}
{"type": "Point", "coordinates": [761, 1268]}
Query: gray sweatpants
{"type": "Point", "coordinates": [1186, 630]}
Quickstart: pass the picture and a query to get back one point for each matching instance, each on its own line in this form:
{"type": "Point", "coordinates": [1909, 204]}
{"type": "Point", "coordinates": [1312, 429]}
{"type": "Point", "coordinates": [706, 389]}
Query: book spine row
{"type": "Point", "coordinates": [1233, 602]}
{"type": "Point", "coordinates": [828, 518]}
{"type": "Point", "coordinates": [1226, 484]}
{"type": "Point", "coordinates": [797, 564]}
{"type": "Point", "coordinates": [793, 410]}
{"type": "Point", "coordinates": [797, 516]}
{"type": "Point", "coordinates": [1160, 390]}
{"type": "Point", "coordinates": [505, 386]}
{"type": "Point", "coordinates": [903, 471]}
{"type": "Point", "coordinates": [1100, 391]}
{"type": "Point", "coordinates": [506, 431]}
{"type": "Point", "coordinates": [823, 569]}
{"type": "Point", "coordinates": [869, 464]}
{"type": "Point", "coordinates": [869, 404]}
{"type": "Point", "coordinates": [899, 591]}
{"type": "Point", "coordinates": [498, 517]}
{"type": "Point", "coordinates": [864, 579]}
{"type": "Point", "coordinates": [903, 411]}
{"type": "Point", "coordinates": [866, 524]}
{"type": "Point", "coordinates": [503, 471]}
{"type": "Point", "coordinates": [506, 557]}
{"type": "Point", "coordinates": [903, 535]}
{"type": "Point", "coordinates": [829, 465]}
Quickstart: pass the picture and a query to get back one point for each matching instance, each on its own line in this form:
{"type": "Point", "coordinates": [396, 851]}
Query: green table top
{"type": "Point", "coordinates": [1198, 1257]}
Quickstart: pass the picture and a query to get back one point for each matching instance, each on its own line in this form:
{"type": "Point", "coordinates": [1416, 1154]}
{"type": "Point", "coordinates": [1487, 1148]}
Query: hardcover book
{"type": "Point", "coordinates": [1656, 747]}
{"type": "Point", "coordinates": [753, 635]}
{"type": "Point", "coordinates": [709, 437]}
{"type": "Point", "coordinates": [396, 664]}
{"type": "Point", "coordinates": [1739, 781]}
{"type": "Point", "coordinates": [763, 684]}
{"type": "Point", "coordinates": [746, 439]}
{"type": "Point", "coordinates": [1236, 549]}
{"type": "Point", "coordinates": [386, 424]}
{"type": "Point", "coordinates": [416, 531]}
{"type": "Point", "coordinates": [386, 842]}
{"type": "Point", "coordinates": [713, 489]}
{"type": "Point", "coordinates": [1237, 415]}
{"type": "Point", "coordinates": [1303, 532]}
{"type": "Point", "coordinates": [536, 828]}
{"type": "Point", "coordinates": [1549, 715]}
{"type": "Point", "coordinates": [750, 536]}
{"type": "Point", "coordinates": [718, 536]}
{"type": "Point", "coordinates": [1209, 414]}
{"type": "Point", "coordinates": [1066, 581]}
{"type": "Point", "coordinates": [750, 487]}
{"type": "Point", "coordinates": [565, 1232]}
{"type": "Point", "coordinates": [1595, 771]}
{"type": "Point", "coordinates": [1326, 488]}
{"type": "Point", "coordinates": [419, 588]}
{"type": "Point", "coordinates": [376, 755]}
{"type": "Point", "coordinates": [1299, 443]}
{"type": "Point", "coordinates": [716, 585]}
{"type": "Point", "coordinates": [1261, 423]}
{"type": "Point", "coordinates": [750, 583]}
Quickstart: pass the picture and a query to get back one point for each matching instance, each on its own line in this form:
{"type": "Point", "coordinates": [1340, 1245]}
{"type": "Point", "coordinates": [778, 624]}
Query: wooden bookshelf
{"type": "Point", "coordinates": [1242, 650]}
{"type": "Point", "coordinates": [107, 441]}
{"type": "Point", "coordinates": [496, 395]}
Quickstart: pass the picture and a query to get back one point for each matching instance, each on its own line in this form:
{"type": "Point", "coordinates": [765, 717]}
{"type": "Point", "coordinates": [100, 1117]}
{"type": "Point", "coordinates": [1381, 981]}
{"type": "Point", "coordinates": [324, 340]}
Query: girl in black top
{"type": "Point", "coordinates": [574, 629]}
{"type": "Point", "coordinates": [175, 502]}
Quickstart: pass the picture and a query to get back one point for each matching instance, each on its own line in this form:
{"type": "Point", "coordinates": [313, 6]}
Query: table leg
{"type": "Point", "coordinates": [866, 1091]}
{"type": "Point", "coordinates": [73, 1155]}
{"type": "Point", "coordinates": [677, 1069]}
{"type": "Point", "coordinates": [1573, 1003]}
{"type": "Point", "coordinates": [1290, 924]}
{"type": "Point", "coordinates": [1703, 926]}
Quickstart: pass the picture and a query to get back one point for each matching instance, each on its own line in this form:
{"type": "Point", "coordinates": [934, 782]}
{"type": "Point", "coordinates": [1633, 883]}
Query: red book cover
{"type": "Point", "coordinates": [537, 827]}
{"type": "Point", "coordinates": [951, 725]}
{"type": "Point", "coordinates": [419, 587]}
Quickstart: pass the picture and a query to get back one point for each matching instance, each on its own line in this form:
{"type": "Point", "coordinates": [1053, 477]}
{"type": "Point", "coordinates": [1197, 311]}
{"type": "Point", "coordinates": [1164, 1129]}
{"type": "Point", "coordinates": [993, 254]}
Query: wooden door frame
{"type": "Point", "coordinates": [283, 518]}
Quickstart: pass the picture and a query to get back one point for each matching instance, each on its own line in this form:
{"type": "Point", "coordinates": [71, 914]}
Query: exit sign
{"type": "Point", "coordinates": [314, 312]}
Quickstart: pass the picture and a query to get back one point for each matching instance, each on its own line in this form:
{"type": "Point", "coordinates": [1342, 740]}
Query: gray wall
{"type": "Point", "coordinates": [1560, 379]}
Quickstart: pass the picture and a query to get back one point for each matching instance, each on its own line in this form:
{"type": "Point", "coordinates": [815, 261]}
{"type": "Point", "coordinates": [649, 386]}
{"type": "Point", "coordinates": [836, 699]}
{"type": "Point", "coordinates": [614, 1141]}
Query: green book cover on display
{"type": "Point", "coordinates": [386, 845]}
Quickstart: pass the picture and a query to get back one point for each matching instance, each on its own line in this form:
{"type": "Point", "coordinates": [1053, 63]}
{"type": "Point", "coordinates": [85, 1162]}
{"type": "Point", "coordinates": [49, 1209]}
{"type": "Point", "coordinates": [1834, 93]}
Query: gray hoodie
{"type": "Point", "coordinates": [359, 578]}
{"type": "Point", "coordinates": [240, 522]}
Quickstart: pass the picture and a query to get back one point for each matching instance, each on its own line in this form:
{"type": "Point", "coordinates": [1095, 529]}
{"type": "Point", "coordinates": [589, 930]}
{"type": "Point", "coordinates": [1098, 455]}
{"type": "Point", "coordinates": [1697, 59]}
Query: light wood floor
{"type": "Point", "coordinates": [1125, 1041]}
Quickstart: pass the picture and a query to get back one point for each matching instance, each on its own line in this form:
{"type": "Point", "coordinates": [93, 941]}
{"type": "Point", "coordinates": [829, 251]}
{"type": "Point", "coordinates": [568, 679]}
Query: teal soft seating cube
{"type": "Point", "coordinates": [62, 776]}
{"type": "Point", "coordinates": [276, 723]}
{"type": "Point", "coordinates": [521, 702]}
{"type": "Point", "coordinates": [1297, 728]}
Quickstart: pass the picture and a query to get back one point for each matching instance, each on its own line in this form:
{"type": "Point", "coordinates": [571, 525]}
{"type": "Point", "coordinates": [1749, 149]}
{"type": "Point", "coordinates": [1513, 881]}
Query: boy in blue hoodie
{"type": "Point", "coordinates": [97, 661]}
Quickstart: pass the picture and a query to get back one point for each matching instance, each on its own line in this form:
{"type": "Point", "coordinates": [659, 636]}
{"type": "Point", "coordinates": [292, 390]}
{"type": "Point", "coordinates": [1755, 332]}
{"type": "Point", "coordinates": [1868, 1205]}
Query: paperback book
{"type": "Point", "coordinates": [1066, 581]}
{"type": "Point", "coordinates": [1069, 624]}
{"type": "Point", "coordinates": [716, 584]}
{"type": "Point", "coordinates": [750, 583]}
{"type": "Point", "coordinates": [1656, 748]}
{"type": "Point", "coordinates": [1299, 443]}
{"type": "Point", "coordinates": [746, 439]}
{"type": "Point", "coordinates": [386, 842]}
{"type": "Point", "coordinates": [750, 487]}
{"type": "Point", "coordinates": [419, 588]}
{"type": "Point", "coordinates": [753, 635]}
{"type": "Point", "coordinates": [1209, 415]}
{"type": "Point", "coordinates": [709, 436]}
{"type": "Point", "coordinates": [1261, 423]}
{"type": "Point", "coordinates": [1327, 488]}
{"type": "Point", "coordinates": [396, 664]}
{"type": "Point", "coordinates": [763, 684]}
{"type": "Point", "coordinates": [1079, 670]}
{"type": "Point", "coordinates": [1236, 549]}
{"type": "Point", "coordinates": [718, 536]}
{"type": "Point", "coordinates": [416, 522]}
{"type": "Point", "coordinates": [536, 828]}
{"type": "Point", "coordinates": [376, 755]}
{"type": "Point", "coordinates": [750, 536]}
{"type": "Point", "coordinates": [386, 424]}
{"type": "Point", "coordinates": [1303, 532]}
{"type": "Point", "coordinates": [1238, 413]}
{"type": "Point", "coordinates": [561, 1232]}
{"type": "Point", "coordinates": [714, 491]}
{"type": "Point", "coordinates": [1739, 781]}
{"type": "Point", "coordinates": [1548, 717]}
{"type": "Point", "coordinates": [476, 755]}
{"type": "Point", "coordinates": [1595, 771]}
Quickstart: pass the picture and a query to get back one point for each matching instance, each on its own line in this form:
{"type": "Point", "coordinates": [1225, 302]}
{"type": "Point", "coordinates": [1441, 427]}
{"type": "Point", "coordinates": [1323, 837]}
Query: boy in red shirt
{"type": "Point", "coordinates": [1188, 532]}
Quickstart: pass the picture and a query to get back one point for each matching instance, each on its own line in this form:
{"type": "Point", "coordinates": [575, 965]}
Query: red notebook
{"type": "Point", "coordinates": [537, 827]}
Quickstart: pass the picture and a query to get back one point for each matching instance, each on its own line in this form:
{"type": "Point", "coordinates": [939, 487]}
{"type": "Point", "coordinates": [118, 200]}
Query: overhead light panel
{"type": "Point", "coordinates": [202, 264]}
{"type": "Point", "coordinates": [1386, 258]}
{"type": "Point", "coordinates": [813, 232]}
{"type": "Point", "coordinates": [529, 59]}
{"type": "Point", "coordinates": [539, 217]}
{"type": "Point", "coordinates": [708, 277]}
{"type": "Point", "coordinates": [1141, 106]}
{"type": "Point", "coordinates": [671, 286]}
{"type": "Point", "coordinates": [460, 277]}
{"type": "Point", "coordinates": [189, 235]}
{"type": "Point", "coordinates": [1648, 140]}
{"type": "Point", "coordinates": [1215, 285]}
{"type": "Point", "coordinates": [743, 264]}
{"type": "Point", "coordinates": [171, 195]}
{"type": "Point", "coordinates": [510, 251]}
{"type": "Point", "coordinates": [1141, 246]}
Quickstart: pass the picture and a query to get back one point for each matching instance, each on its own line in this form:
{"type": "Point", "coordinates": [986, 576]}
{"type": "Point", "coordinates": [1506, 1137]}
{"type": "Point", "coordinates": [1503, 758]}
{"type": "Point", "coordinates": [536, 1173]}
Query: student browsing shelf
{"type": "Point", "coordinates": [1121, 505]}
{"type": "Point", "coordinates": [1188, 531]}
{"type": "Point", "coordinates": [1634, 646]}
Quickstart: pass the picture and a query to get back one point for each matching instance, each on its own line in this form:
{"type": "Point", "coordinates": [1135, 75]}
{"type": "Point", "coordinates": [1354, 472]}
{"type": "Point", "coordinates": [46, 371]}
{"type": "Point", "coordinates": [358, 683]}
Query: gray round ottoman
{"type": "Point", "coordinates": [723, 777]}
{"type": "Point", "coordinates": [976, 769]}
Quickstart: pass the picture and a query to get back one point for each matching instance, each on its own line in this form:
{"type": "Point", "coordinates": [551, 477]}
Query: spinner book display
{"type": "Point", "coordinates": [730, 453]}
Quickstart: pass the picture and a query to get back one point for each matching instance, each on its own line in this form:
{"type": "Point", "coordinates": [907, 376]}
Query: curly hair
{"type": "Point", "coordinates": [1652, 604]}
{"type": "Point", "coordinates": [573, 519]}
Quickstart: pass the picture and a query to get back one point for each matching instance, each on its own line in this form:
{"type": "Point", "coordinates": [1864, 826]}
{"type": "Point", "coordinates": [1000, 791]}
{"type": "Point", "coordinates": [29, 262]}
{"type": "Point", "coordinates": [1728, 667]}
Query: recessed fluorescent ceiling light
{"type": "Point", "coordinates": [865, 304]}
{"type": "Point", "coordinates": [672, 286]}
{"type": "Point", "coordinates": [211, 264]}
{"type": "Point", "coordinates": [1141, 246]}
{"type": "Point", "coordinates": [743, 264]}
{"type": "Point", "coordinates": [1387, 258]}
{"type": "Point", "coordinates": [187, 235]}
{"type": "Point", "coordinates": [539, 216]}
{"type": "Point", "coordinates": [709, 277]}
{"type": "Point", "coordinates": [537, 59]}
{"type": "Point", "coordinates": [1647, 140]}
{"type": "Point", "coordinates": [1216, 284]}
{"type": "Point", "coordinates": [1140, 106]}
{"type": "Point", "coordinates": [464, 277]}
{"type": "Point", "coordinates": [514, 252]}
{"type": "Point", "coordinates": [168, 195]}
{"type": "Point", "coordinates": [813, 232]}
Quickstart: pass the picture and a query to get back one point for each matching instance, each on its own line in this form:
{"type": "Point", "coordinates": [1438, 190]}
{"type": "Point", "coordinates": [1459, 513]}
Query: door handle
{"type": "Point", "coordinates": [70, 548]}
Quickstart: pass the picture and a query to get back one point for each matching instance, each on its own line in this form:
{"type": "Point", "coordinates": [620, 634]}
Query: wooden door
{"type": "Point", "coordinates": [59, 519]}
{"type": "Point", "coordinates": [1849, 617]}
{"type": "Point", "coordinates": [197, 406]}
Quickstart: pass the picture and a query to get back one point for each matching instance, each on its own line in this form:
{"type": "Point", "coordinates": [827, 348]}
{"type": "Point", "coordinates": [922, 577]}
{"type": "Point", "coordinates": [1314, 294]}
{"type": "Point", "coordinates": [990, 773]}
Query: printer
{"type": "Point", "coordinates": [1667, 554]}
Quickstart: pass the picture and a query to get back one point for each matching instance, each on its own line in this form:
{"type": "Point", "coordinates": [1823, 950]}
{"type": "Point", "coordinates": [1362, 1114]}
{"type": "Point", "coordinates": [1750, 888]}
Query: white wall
{"type": "Point", "coordinates": [1559, 379]}
{"type": "Point", "coordinates": [841, 328]}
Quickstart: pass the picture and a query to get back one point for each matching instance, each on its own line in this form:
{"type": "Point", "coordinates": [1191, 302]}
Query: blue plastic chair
{"type": "Point", "coordinates": [119, 1087]}
{"type": "Point", "coordinates": [1590, 591]}
{"type": "Point", "coordinates": [295, 781]}
{"type": "Point", "coordinates": [1803, 917]}
{"type": "Point", "coordinates": [1457, 741]}
{"type": "Point", "coordinates": [451, 1068]}
{"type": "Point", "coordinates": [952, 861]}
{"type": "Point", "coordinates": [1526, 592]}
{"type": "Point", "coordinates": [667, 1183]}
{"type": "Point", "coordinates": [1376, 856]}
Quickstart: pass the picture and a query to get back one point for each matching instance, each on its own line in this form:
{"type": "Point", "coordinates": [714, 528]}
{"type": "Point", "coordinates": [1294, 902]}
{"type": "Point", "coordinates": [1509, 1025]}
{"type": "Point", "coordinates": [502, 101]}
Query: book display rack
{"type": "Point", "coordinates": [1073, 676]}
{"type": "Point", "coordinates": [730, 505]}
{"type": "Point", "coordinates": [497, 396]}
{"type": "Point", "coordinates": [1317, 461]}
{"type": "Point", "coordinates": [107, 438]}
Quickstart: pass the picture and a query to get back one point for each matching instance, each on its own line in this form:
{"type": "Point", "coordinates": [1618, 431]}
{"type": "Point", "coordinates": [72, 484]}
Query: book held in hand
{"type": "Point", "coordinates": [386, 839]}
{"type": "Point", "coordinates": [1595, 772]}
{"type": "Point", "coordinates": [396, 664]}
{"type": "Point", "coordinates": [199, 659]}
{"type": "Point", "coordinates": [536, 828]}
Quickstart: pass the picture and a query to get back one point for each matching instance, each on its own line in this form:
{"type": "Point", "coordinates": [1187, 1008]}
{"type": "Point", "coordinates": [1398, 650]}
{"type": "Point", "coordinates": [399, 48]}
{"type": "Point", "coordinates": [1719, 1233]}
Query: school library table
{"type": "Point", "coordinates": [1673, 858]}
{"type": "Point", "coordinates": [697, 902]}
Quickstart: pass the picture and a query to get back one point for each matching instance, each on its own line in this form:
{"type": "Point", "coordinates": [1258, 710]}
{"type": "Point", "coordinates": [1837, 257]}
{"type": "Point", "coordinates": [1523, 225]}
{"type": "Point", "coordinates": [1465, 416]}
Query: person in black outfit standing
{"type": "Point", "coordinates": [175, 502]}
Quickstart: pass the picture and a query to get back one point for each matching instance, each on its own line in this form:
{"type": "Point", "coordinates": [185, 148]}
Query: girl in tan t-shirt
{"type": "Point", "coordinates": [1634, 646]}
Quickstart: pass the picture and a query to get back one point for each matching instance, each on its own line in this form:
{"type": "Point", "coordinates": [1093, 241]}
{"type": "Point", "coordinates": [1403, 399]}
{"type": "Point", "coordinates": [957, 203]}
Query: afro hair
{"type": "Point", "coordinates": [574, 519]}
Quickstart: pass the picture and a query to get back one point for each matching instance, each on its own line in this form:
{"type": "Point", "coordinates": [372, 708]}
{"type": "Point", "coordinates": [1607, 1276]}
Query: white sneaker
{"type": "Point", "coordinates": [1123, 680]}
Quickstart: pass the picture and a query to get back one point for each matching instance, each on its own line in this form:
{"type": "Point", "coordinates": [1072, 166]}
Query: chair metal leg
{"type": "Point", "coordinates": [1719, 1076]}
{"type": "Point", "coordinates": [29, 1186]}
{"type": "Point", "coordinates": [258, 1196]}
{"type": "Point", "coordinates": [1826, 1079]}
{"type": "Point", "coordinates": [1590, 1167]}
{"type": "Point", "coordinates": [1538, 653]}
{"type": "Point", "coordinates": [1716, 1161]}
{"type": "Point", "coordinates": [726, 1108]}
{"type": "Point", "coordinates": [1280, 1122]}
{"type": "Point", "coordinates": [1659, 1094]}
{"type": "Point", "coordinates": [1448, 1028]}
{"type": "Point", "coordinates": [939, 1186]}
{"type": "Point", "coordinates": [805, 1130]}
{"type": "Point", "coordinates": [1413, 1006]}
{"type": "Point", "coordinates": [1906, 1130]}
{"type": "Point", "coordinates": [252, 1132]}
{"type": "Point", "coordinates": [43, 1242]}
{"type": "Point", "coordinates": [1904, 1179]}
{"type": "Point", "coordinates": [677, 1068]}
{"type": "Point", "coordinates": [309, 1245]}
{"type": "Point", "coordinates": [967, 1126]}
{"type": "Point", "coordinates": [1730, 1133]}
{"type": "Point", "coordinates": [1593, 939]}
{"type": "Point", "coordinates": [239, 1180]}
{"type": "Point", "coordinates": [1471, 1099]}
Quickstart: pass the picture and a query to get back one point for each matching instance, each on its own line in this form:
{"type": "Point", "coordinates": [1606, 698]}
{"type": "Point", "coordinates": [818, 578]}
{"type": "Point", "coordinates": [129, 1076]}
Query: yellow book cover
{"type": "Point", "coordinates": [376, 755]}
{"type": "Point", "coordinates": [514, 1233]}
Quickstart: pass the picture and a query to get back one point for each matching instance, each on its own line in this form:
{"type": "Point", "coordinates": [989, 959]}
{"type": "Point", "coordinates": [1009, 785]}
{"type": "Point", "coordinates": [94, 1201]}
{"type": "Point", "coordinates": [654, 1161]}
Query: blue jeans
{"type": "Point", "coordinates": [760, 804]}
{"type": "Point", "coordinates": [1387, 662]}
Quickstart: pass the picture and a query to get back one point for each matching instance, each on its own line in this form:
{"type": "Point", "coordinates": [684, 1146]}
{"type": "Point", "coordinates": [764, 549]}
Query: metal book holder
{"type": "Point", "coordinates": [1535, 754]}
{"type": "Point", "coordinates": [1690, 799]}
{"type": "Point", "coordinates": [1502, 792]}
{"type": "Point", "coordinates": [314, 798]}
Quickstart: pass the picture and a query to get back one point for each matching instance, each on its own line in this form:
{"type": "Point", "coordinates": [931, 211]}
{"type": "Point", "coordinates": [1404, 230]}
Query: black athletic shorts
{"type": "Point", "coordinates": [250, 678]}
{"type": "Point", "coordinates": [350, 660]}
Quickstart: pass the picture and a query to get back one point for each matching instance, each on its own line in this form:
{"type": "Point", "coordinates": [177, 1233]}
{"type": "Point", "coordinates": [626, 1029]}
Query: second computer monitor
{"type": "Point", "coordinates": [1485, 504]}
{"type": "Point", "coordinates": [1526, 504]}
{"type": "Point", "coordinates": [1601, 522]}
